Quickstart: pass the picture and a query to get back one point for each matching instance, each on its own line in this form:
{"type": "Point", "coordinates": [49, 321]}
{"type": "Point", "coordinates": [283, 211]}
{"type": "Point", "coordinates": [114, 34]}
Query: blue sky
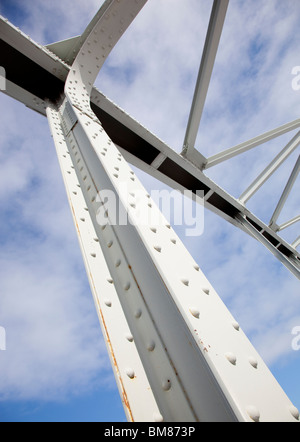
{"type": "Point", "coordinates": [55, 366]}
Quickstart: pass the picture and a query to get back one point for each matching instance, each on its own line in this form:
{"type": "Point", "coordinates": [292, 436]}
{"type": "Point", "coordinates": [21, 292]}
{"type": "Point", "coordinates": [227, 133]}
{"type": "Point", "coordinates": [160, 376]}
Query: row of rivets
{"type": "Point", "coordinates": [151, 346]}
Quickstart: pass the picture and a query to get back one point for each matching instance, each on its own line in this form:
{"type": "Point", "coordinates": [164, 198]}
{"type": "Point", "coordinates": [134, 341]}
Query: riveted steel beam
{"type": "Point", "coordinates": [199, 364]}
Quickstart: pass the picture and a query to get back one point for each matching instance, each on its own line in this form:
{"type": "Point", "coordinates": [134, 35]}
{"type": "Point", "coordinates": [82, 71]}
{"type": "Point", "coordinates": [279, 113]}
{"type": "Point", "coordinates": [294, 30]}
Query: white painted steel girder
{"type": "Point", "coordinates": [198, 362]}
{"type": "Point", "coordinates": [133, 386]}
{"type": "Point", "coordinates": [212, 41]}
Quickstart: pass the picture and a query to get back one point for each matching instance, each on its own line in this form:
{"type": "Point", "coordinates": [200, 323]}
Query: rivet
{"type": "Point", "coordinates": [82, 219]}
{"type": "Point", "coordinates": [93, 255]}
{"type": "Point", "coordinates": [231, 358]}
{"type": "Point", "coordinates": [168, 226]}
{"type": "Point", "coordinates": [108, 303]}
{"type": "Point", "coordinates": [166, 385]}
{"type": "Point", "coordinates": [111, 281]}
{"type": "Point", "coordinates": [130, 373]}
{"type": "Point", "coordinates": [118, 263]}
{"type": "Point", "coordinates": [109, 244]}
{"type": "Point", "coordinates": [253, 413]}
{"type": "Point", "coordinates": [96, 239]}
{"type": "Point", "coordinates": [185, 282]}
{"type": "Point", "coordinates": [173, 241]}
{"type": "Point", "coordinates": [129, 337]}
{"type": "Point", "coordinates": [157, 248]}
{"type": "Point", "coordinates": [206, 290]}
{"type": "Point", "coordinates": [127, 286]}
{"type": "Point", "coordinates": [116, 175]}
{"type": "Point", "coordinates": [253, 362]}
{"type": "Point", "coordinates": [197, 268]}
{"type": "Point", "coordinates": [295, 412]}
{"type": "Point", "coordinates": [151, 346]}
{"type": "Point", "coordinates": [236, 325]}
{"type": "Point", "coordinates": [195, 313]}
{"type": "Point", "coordinates": [138, 313]}
{"type": "Point", "coordinates": [153, 229]}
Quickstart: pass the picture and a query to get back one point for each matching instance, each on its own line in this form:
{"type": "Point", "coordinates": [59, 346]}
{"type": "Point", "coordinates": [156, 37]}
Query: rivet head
{"type": "Point", "coordinates": [295, 412]}
{"type": "Point", "coordinates": [206, 290]}
{"type": "Point", "coordinates": [127, 286]}
{"type": "Point", "coordinates": [158, 249]}
{"type": "Point", "coordinates": [253, 362]}
{"type": "Point", "coordinates": [151, 346]}
{"type": "Point", "coordinates": [254, 413]}
{"type": "Point", "coordinates": [231, 358]}
{"type": "Point", "coordinates": [108, 302]}
{"type": "Point", "coordinates": [236, 325]}
{"type": "Point", "coordinates": [129, 337]}
{"type": "Point", "coordinates": [138, 313]}
{"type": "Point", "coordinates": [195, 312]}
{"type": "Point", "coordinates": [185, 282]}
{"type": "Point", "coordinates": [166, 385]}
{"type": "Point", "coordinates": [130, 373]}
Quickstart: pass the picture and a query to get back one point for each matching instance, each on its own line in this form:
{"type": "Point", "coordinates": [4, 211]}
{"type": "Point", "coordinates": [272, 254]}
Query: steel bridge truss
{"type": "Point", "coordinates": [176, 351]}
